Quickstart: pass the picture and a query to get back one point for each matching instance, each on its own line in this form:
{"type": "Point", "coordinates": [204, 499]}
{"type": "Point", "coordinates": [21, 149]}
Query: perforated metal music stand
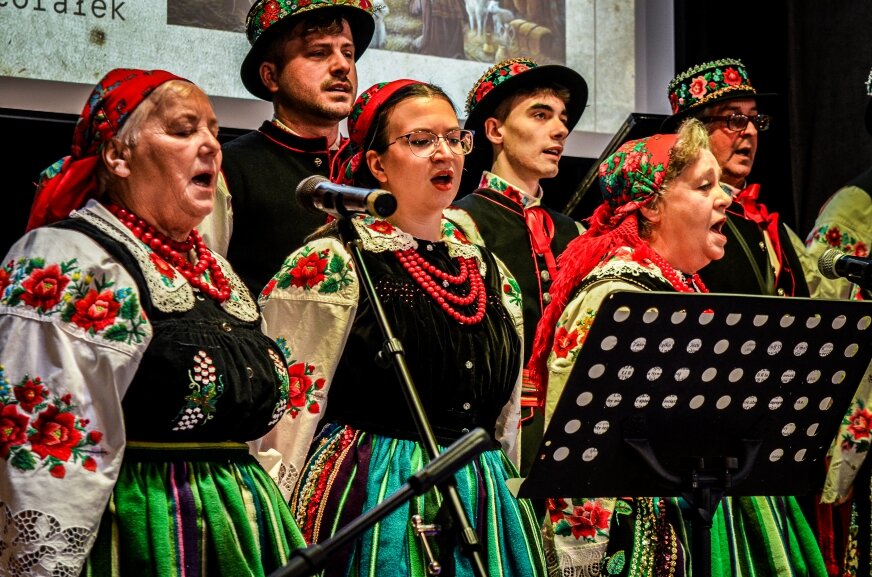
{"type": "Point", "coordinates": [701, 396]}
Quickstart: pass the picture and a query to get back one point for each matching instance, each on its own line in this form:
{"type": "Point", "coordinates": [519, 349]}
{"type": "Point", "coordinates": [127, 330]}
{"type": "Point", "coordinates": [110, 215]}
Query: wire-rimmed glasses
{"type": "Point", "coordinates": [423, 143]}
{"type": "Point", "coordinates": [739, 122]}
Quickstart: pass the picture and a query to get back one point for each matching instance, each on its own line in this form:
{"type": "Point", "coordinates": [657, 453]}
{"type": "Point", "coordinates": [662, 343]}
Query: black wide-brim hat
{"type": "Point", "coordinates": [266, 18]}
{"type": "Point", "coordinates": [706, 84]}
{"type": "Point", "coordinates": [503, 80]}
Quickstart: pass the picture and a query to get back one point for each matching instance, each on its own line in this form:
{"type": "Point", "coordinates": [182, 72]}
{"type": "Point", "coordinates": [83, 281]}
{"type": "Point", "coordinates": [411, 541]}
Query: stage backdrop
{"type": "Point", "coordinates": [447, 42]}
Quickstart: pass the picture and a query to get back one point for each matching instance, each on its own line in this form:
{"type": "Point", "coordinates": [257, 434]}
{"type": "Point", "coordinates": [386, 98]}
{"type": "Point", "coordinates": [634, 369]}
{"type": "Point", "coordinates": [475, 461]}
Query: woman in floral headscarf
{"type": "Point", "coordinates": [460, 333]}
{"type": "Point", "coordinates": [132, 365]}
{"type": "Point", "coordinates": [660, 221]}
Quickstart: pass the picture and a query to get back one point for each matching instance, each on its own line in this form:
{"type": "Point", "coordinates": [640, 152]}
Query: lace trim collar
{"type": "Point", "coordinates": [379, 235]}
{"type": "Point", "coordinates": [620, 264]}
{"type": "Point", "coordinates": [169, 295]}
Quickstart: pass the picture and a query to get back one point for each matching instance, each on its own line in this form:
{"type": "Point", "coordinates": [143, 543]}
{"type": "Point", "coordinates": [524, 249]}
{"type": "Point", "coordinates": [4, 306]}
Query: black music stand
{"type": "Point", "coordinates": [701, 396]}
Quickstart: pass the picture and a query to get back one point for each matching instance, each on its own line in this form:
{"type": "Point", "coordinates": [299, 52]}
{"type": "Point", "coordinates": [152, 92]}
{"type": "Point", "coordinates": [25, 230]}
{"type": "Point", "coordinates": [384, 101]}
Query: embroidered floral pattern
{"type": "Point", "coordinates": [497, 184]}
{"type": "Point", "coordinates": [498, 74]}
{"type": "Point", "coordinates": [833, 236]}
{"type": "Point", "coordinates": [284, 386]}
{"type": "Point", "coordinates": [513, 290]}
{"type": "Point", "coordinates": [206, 387]}
{"type": "Point", "coordinates": [39, 429]}
{"type": "Point", "coordinates": [381, 227]}
{"type": "Point", "coordinates": [568, 340]}
{"type": "Point", "coordinates": [451, 230]}
{"type": "Point", "coordinates": [706, 82]}
{"type": "Point", "coordinates": [857, 431]}
{"type": "Point", "coordinates": [166, 272]}
{"type": "Point", "coordinates": [310, 269]}
{"type": "Point", "coordinates": [302, 386]}
{"type": "Point", "coordinates": [636, 170]}
{"type": "Point", "coordinates": [93, 304]}
{"type": "Point", "coordinates": [585, 521]}
{"type": "Point", "coordinates": [272, 11]}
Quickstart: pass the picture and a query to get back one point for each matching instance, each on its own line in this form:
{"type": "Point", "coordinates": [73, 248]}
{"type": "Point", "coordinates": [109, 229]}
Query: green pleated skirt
{"type": "Point", "coordinates": [185, 510]}
{"type": "Point", "coordinates": [350, 471]}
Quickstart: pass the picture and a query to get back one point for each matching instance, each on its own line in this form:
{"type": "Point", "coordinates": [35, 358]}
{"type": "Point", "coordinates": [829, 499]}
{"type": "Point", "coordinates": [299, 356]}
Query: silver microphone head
{"type": "Point", "coordinates": [827, 262]}
{"type": "Point", "coordinates": [306, 191]}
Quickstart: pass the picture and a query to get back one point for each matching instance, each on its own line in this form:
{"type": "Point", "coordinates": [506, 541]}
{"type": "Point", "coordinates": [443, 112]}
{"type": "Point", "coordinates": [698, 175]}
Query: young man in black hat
{"type": "Point", "coordinates": [302, 59]}
{"type": "Point", "coordinates": [761, 256]}
{"type": "Point", "coordinates": [521, 114]}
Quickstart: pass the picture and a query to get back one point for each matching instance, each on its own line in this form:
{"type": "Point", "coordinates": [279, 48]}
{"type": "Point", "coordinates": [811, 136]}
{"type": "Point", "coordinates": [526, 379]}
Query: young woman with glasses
{"type": "Point", "coordinates": [349, 440]}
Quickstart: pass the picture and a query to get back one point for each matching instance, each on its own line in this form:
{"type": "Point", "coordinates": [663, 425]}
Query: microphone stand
{"type": "Point", "coordinates": [393, 350]}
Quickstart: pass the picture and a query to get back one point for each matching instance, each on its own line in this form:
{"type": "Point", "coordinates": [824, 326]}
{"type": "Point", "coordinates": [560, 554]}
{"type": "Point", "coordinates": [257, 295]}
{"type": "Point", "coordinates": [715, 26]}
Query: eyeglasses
{"type": "Point", "coordinates": [423, 143]}
{"type": "Point", "coordinates": [739, 122]}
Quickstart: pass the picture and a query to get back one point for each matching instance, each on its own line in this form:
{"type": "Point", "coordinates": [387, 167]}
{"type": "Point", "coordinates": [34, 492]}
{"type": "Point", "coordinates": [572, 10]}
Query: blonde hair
{"type": "Point", "coordinates": [692, 139]}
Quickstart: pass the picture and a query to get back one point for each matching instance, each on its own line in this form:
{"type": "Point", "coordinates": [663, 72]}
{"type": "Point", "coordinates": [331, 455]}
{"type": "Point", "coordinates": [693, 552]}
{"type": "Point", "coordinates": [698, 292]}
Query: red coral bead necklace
{"type": "Point", "coordinates": [435, 283]}
{"type": "Point", "coordinates": [673, 276]}
{"type": "Point", "coordinates": [175, 253]}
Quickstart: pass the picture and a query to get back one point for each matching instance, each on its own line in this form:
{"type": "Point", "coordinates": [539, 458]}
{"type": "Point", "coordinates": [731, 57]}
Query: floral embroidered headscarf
{"type": "Point", "coordinates": [629, 179]}
{"type": "Point", "coordinates": [70, 182]}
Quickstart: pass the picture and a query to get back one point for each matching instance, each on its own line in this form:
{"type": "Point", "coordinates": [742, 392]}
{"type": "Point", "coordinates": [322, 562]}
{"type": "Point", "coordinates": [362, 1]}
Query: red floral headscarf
{"type": "Point", "coordinates": [629, 179]}
{"type": "Point", "coordinates": [68, 183]}
{"type": "Point", "coordinates": [363, 112]}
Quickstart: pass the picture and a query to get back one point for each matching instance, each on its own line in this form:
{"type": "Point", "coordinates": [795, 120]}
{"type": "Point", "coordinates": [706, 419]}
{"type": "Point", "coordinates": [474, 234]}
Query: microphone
{"type": "Point", "coordinates": [834, 264]}
{"type": "Point", "coordinates": [317, 193]}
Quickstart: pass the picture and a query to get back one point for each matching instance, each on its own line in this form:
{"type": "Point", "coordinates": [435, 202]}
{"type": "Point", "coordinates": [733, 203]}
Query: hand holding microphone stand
{"type": "Point", "coordinates": [341, 202]}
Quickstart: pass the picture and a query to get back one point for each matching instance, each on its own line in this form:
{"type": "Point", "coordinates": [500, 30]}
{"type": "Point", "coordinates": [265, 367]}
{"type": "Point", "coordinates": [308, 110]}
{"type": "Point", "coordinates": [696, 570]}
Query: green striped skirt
{"type": "Point", "coordinates": [763, 537]}
{"type": "Point", "coordinates": [349, 472]}
{"type": "Point", "coordinates": [184, 510]}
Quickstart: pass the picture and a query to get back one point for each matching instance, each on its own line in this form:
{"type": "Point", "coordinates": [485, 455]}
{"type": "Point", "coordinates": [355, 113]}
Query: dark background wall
{"type": "Point", "coordinates": [815, 56]}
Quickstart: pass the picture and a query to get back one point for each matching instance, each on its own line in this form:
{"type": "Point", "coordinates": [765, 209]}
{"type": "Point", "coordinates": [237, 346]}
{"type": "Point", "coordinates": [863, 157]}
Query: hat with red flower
{"type": "Point", "coordinates": [705, 84]}
{"type": "Point", "coordinates": [501, 81]}
{"type": "Point", "coordinates": [267, 17]}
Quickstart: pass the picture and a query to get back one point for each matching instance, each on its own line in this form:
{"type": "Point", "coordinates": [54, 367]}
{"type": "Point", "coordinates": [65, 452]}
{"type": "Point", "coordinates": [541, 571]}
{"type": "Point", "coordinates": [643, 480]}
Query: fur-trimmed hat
{"type": "Point", "coordinates": [705, 84]}
{"type": "Point", "coordinates": [267, 17]}
{"type": "Point", "coordinates": [503, 80]}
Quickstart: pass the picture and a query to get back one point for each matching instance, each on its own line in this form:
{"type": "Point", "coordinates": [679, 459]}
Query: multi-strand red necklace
{"type": "Point", "coordinates": [435, 283]}
{"type": "Point", "coordinates": [675, 278]}
{"type": "Point", "coordinates": [176, 254]}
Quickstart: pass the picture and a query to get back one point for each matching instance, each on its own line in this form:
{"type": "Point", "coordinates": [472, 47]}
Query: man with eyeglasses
{"type": "Point", "coordinates": [761, 253]}
{"type": "Point", "coordinates": [521, 114]}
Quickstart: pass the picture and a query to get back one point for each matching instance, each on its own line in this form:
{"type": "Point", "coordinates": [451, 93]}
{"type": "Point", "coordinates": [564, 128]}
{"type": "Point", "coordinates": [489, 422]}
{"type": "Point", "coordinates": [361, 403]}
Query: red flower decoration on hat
{"type": "Point", "coordinates": [707, 83]}
{"type": "Point", "coordinates": [697, 87]}
{"type": "Point", "coordinates": [495, 76]}
{"type": "Point", "coordinates": [732, 77]}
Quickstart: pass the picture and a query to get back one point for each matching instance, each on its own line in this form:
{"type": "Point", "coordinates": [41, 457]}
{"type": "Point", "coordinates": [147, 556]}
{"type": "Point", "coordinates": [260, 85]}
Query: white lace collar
{"type": "Point", "coordinates": [169, 295]}
{"type": "Point", "coordinates": [379, 235]}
